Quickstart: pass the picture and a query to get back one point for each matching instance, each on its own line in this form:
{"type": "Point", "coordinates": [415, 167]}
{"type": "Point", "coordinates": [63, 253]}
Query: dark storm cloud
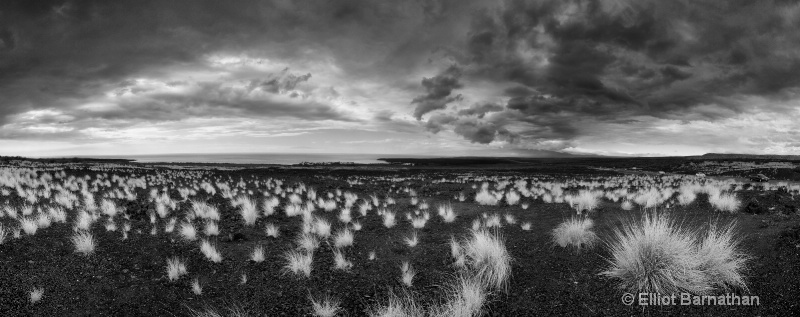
{"type": "Point", "coordinates": [55, 54]}
{"type": "Point", "coordinates": [613, 59]}
{"type": "Point", "coordinates": [438, 92]}
{"type": "Point", "coordinates": [480, 110]}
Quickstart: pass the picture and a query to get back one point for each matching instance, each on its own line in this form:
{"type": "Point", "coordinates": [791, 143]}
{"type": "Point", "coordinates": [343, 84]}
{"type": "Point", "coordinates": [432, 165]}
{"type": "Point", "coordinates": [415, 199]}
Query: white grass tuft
{"type": "Point", "coordinates": [340, 262]}
{"type": "Point", "coordinates": [29, 225]}
{"type": "Point", "coordinates": [210, 251]}
{"type": "Point", "coordinates": [526, 226]}
{"type": "Point", "coordinates": [258, 254]}
{"type": "Point", "coordinates": [84, 243]}
{"type": "Point", "coordinates": [197, 289]}
{"type": "Point", "coordinates": [248, 208]}
{"type": "Point", "coordinates": [307, 242]}
{"type": "Point", "coordinates": [412, 241]}
{"type": "Point", "coordinates": [343, 238]}
{"type": "Point", "coordinates": [3, 234]}
{"type": "Point", "coordinates": [575, 232]}
{"type": "Point", "coordinates": [658, 255]}
{"type": "Point", "coordinates": [408, 273]}
{"type": "Point", "coordinates": [488, 259]}
{"type": "Point", "coordinates": [389, 219]}
{"type": "Point", "coordinates": [272, 230]}
{"type": "Point", "coordinates": [299, 262]}
{"type": "Point", "coordinates": [188, 231]}
{"type": "Point", "coordinates": [36, 295]}
{"type": "Point", "coordinates": [724, 201]}
{"type": "Point", "coordinates": [325, 307]}
{"type": "Point", "coordinates": [211, 229]}
{"type": "Point", "coordinates": [175, 268]}
{"type": "Point", "coordinates": [485, 198]}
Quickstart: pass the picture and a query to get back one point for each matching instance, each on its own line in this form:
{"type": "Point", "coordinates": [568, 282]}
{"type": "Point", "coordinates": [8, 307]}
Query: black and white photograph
{"type": "Point", "coordinates": [399, 158]}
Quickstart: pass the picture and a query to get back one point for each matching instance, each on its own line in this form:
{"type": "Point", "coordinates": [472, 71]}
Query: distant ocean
{"type": "Point", "coordinates": [261, 158]}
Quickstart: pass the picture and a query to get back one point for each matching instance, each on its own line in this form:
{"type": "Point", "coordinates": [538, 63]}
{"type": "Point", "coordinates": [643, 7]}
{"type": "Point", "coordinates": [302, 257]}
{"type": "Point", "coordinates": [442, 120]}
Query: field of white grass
{"type": "Point", "coordinates": [104, 239]}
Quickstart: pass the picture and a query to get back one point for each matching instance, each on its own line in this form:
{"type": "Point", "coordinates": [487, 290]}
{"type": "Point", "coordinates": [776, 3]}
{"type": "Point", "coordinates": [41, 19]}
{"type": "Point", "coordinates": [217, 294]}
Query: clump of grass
{"type": "Point", "coordinates": [258, 254]}
{"type": "Point", "coordinates": [29, 225]}
{"type": "Point", "coordinates": [248, 208]}
{"type": "Point", "coordinates": [658, 255]}
{"type": "Point", "coordinates": [389, 219]}
{"type": "Point", "coordinates": [298, 262]}
{"type": "Point", "coordinates": [36, 295]}
{"type": "Point", "coordinates": [210, 251]}
{"type": "Point", "coordinates": [398, 307]}
{"type": "Point", "coordinates": [175, 268]}
{"type": "Point", "coordinates": [575, 232]}
{"type": "Point", "coordinates": [343, 238]}
{"type": "Point", "coordinates": [724, 201]}
{"type": "Point", "coordinates": [485, 198]}
{"type": "Point", "coordinates": [272, 230]}
{"type": "Point", "coordinates": [325, 306]}
{"type": "Point", "coordinates": [3, 234]}
{"type": "Point", "coordinates": [197, 289]}
{"type": "Point", "coordinates": [526, 226]}
{"type": "Point", "coordinates": [307, 242]}
{"type": "Point", "coordinates": [340, 262]}
{"type": "Point", "coordinates": [84, 243]}
{"type": "Point", "coordinates": [412, 241]}
{"type": "Point", "coordinates": [487, 258]}
{"type": "Point", "coordinates": [407, 273]}
{"type": "Point", "coordinates": [464, 297]}
{"type": "Point", "coordinates": [211, 229]}
{"type": "Point", "coordinates": [188, 231]}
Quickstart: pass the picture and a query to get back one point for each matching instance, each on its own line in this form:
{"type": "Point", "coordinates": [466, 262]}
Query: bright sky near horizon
{"type": "Point", "coordinates": [445, 77]}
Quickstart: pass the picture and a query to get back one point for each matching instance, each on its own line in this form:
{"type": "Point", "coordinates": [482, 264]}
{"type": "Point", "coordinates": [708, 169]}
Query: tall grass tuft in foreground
{"type": "Point", "coordinates": [575, 232]}
{"type": "Point", "coordinates": [84, 243]}
{"type": "Point", "coordinates": [210, 251]}
{"type": "Point", "coordinates": [464, 298]}
{"type": "Point", "coordinates": [248, 208]}
{"type": "Point", "coordinates": [657, 255]}
{"type": "Point", "coordinates": [325, 307]}
{"type": "Point", "coordinates": [487, 258]}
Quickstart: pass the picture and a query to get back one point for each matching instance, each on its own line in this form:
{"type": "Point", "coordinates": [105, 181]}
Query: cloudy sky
{"type": "Point", "coordinates": [449, 77]}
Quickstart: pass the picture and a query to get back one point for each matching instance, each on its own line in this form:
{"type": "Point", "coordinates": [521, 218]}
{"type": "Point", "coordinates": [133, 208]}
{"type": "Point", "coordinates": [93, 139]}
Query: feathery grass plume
{"type": "Point", "coordinates": [258, 254]}
{"type": "Point", "coordinates": [321, 228]}
{"type": "Point", "coordinates": [340, 262]}
{"type": "Point", "coordinates": [688, 194]}
{"type": "Point", "coordinates": [488, 258]}
{"type": "Point", "coordinates": [344, 215]}
{"type": "Point", "coordinates": [512, 198]}
{"type": "Point", "coordinates": [525, 205]}
{"type": "Point", "coordinates": [325, 307]}
{"type": "Point", "coordinates": [83, 221]}
{"type": "Point", "coordinates": [175, 268]}
{"type": "Point", "coordinates": [485, 198]}
{"type": "Point", "coordinates": [356, 226]}
{"type": "Point", "coordinates": [272, 230]}
{"type": "Point", "coordinates": [447, 213]}
{"type": "Point", "coordinates": [724, 201]}
{"type": "Point", "coordinates": [408, 273]}
{"type": "Point", "coordinates": [170, 226]}
{"type": "Point", "coordinates": [658, 255]}
{"type": "Point", "coordinates": [188, 231]}
{"type": "Point", "coordinates": [36, 294]}
{"type": "Point", "coordinates": [84, 243]}
{"type": "Point", "coordinates": [111, 225]}
{"type": "Point", "coordinates": [243, 279]}
{"type": "Point", "coordinates": [269, 205]}
{"type": "Point", "coordinates": [108, 207]}
{"type": "Point", "coordinates": [197, 289]}
{"type": "Point", "coordinates": [389, 219]}
{"type": "Point", "coordinates": [371, 255]}
{"type": "Point", "coordinates": [584, 201]}
{"type": "Point", "coordinates": [627, 205]}
{"type": "Point", "coordinates": [510, 219]}
{"type": "Point", "coordinates": [203, 210]}
{"type": "Point", "coordinates": [493, 221]}
{"type": "Point", "coordinates": [29, 225]}
{"type": "Point", "coordinates": [419, 222]}
{"type": "Point", "coordinates": [307, 242]}
{"type": "Point", "coordinates": [211, 229]}
{"type": "Point", "coordinates": [3, 234]}
{"type": "Point", "coordinates": [463, 298]}
{"type": "Point", "coordinates": [343, 238]}
{"type": "Point", "coordinates": [249, 210]}
{"type": "Point", "coordinates": [57, 214]}
{"type": "Point", "coordinates": [412, 241]}
{"type": "Point", "coordinates": [575, 232]}
{"type": "Point", "coordinates": [398, 307]}
{"type": "Point", "coordinates": [299, 262]}
{"type": "Point", "coordinates": [210, 251]}
{"type": "Point", "coordinates": [526, 226]}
